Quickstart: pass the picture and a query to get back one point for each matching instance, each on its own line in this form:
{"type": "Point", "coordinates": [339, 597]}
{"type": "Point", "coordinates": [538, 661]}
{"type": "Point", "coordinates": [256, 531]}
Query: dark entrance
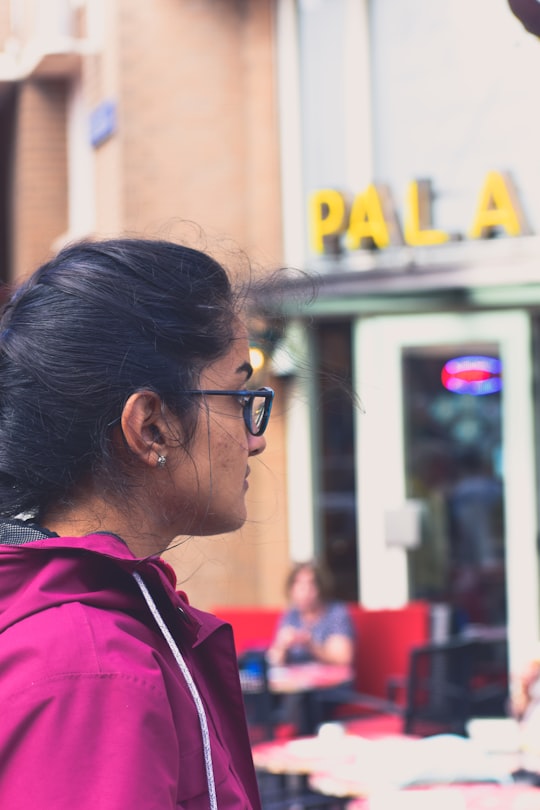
{"type": "Point", "coordinates": [336, 488]}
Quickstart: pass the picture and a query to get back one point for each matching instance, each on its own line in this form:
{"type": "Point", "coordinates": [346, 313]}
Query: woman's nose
{"type": "Point", "coordinates": [256, 445]}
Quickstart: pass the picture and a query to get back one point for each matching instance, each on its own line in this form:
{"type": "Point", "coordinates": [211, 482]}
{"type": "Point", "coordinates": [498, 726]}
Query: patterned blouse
{"type": "Point", "coordinates": [334, 621]}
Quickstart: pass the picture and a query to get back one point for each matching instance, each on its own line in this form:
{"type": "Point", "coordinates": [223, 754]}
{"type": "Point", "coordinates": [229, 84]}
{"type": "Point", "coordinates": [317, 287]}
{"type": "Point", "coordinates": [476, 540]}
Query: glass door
{"type": "Point", "coordinates": [445, 469]}
{"type": "Point", "coordinates": [452, 426]}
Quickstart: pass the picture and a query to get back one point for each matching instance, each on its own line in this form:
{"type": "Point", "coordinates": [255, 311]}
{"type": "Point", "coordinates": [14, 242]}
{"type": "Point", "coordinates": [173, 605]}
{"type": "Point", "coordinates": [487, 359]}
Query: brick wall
{"type": "Point", "coordinates": [39, 188]}
{"type": "Point", "coordinates": [198, 124]}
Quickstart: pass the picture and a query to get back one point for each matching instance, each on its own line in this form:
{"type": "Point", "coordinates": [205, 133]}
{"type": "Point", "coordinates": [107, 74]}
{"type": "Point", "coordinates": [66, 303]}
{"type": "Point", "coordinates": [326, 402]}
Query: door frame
{"type": "Point", "coordinates": [380, 455]}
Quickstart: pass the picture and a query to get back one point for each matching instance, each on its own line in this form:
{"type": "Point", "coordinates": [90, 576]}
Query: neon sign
{"type": "Point", "coordinates": [472, 374]}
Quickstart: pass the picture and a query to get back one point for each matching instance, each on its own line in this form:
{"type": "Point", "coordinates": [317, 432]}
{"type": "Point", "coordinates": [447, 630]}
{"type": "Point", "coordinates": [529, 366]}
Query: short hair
{"type": "Point", "coordinates": [98, 322]}
{"type": "Point", "coordinates": [321, 575]}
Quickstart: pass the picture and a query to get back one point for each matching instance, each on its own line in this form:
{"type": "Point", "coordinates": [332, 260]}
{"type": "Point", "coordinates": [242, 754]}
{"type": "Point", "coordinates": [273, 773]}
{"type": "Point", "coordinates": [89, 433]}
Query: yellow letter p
{"type": "Point", "coordinates": [326, 215]}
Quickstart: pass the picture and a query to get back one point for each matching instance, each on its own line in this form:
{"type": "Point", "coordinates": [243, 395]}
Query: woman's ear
{"type": "Point", "coordinates": [144, 426]}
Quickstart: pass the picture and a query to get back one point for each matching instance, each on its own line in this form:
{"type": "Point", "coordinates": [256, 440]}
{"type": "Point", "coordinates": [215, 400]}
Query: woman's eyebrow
{"type": "Point", "coordinates": [246, 368]}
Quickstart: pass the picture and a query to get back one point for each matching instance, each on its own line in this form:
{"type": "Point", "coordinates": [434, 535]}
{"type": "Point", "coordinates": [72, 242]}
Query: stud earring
{"type": "Point", "coordinates": [161, 460]}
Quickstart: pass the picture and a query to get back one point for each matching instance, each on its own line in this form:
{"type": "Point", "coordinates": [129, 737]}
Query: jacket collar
{"type": "Point", "coordinates": [22, 537]}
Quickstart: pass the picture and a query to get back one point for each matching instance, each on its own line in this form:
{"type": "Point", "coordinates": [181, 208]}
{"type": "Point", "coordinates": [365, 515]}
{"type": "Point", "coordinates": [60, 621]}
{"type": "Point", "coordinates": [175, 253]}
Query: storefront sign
{"type": "Point", "coordinates": [475, 375]}
{"type": "Point", "coordinates": [371, 220]}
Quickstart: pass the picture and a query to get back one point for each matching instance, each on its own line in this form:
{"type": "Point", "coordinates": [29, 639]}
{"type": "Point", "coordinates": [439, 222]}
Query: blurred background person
{"type": "Point", "coordinates": [313, 628]}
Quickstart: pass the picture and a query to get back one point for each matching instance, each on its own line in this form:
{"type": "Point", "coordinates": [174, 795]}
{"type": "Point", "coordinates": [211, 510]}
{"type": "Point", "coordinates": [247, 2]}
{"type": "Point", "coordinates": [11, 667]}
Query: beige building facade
{"type": "Point", "coordinates": [129, 117]}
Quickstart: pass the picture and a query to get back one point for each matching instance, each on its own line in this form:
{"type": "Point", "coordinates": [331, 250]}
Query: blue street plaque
{"type": "Point", "coordinates": [102, 122]}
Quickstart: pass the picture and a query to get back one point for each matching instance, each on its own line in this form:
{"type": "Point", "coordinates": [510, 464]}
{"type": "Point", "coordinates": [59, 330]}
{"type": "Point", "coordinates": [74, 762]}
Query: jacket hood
{"type": "Point", "coordinates": [101, 566]}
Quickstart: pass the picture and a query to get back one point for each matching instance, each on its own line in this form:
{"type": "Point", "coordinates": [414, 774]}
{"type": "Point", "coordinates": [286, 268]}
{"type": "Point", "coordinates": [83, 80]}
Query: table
{"type": "Point", "coordinates": [292, 678]}
{"type": "Point", "coordinates": [387, 772]}
{"type": "Point", "coordinates": [304, 687]}
{"type": "Point", "coordinates": [454, 797]}
{"type": "Point", "coordinates": [318, 754]}
{"type": "Point", "coordinates": [308, 677]}
{"type": "Point", "coordinates": [292, 765]}
{"type": "Point", "coordinates": [306, 682]}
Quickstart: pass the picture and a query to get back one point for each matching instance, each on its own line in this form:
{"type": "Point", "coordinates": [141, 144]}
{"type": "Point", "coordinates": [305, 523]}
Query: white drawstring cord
{"type": "Point", "coordinates": [191, 686]}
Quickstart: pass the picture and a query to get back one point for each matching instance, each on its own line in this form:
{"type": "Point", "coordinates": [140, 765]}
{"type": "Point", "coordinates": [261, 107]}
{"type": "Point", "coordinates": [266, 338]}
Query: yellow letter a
{"type": "Point", "coordinates": [498, 207]}
{"type": "Point", "coordinates": [373, 218]}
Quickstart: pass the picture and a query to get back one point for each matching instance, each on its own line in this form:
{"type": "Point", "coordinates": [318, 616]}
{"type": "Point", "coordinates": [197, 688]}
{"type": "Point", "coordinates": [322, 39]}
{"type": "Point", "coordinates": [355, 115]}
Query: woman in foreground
{"type": "Point", "coordinates": [124, 423]}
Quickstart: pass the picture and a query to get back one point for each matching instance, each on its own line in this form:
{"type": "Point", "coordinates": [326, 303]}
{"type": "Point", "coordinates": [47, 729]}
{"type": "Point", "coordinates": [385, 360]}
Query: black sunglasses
{"type": "Point", "coordinates": [256, 406]}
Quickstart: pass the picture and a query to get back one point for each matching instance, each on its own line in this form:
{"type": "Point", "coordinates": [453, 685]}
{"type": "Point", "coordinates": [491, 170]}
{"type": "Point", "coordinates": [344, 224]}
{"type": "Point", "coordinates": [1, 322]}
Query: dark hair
{"type": "Point", "coordinates": [99, 321]}
{"type": "Point", "coordinates": [320, 575]}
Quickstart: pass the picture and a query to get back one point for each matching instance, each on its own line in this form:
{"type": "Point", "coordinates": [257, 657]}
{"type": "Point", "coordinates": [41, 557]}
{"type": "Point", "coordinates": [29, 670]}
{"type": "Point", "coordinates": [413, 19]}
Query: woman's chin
{"type": "Point", "coordinates": [219, 524]}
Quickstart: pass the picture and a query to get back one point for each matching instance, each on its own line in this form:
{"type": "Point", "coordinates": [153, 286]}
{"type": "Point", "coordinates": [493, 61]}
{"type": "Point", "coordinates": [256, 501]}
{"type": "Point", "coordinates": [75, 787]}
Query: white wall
{"type": "Point", "coordinates": [455, 88]}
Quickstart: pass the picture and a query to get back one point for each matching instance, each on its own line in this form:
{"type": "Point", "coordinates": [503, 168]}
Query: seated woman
{"type": "Point", "coordinates": [313, 628]}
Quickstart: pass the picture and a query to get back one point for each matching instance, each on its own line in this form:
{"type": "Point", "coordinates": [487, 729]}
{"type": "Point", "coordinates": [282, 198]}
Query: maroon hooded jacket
{"type": "Point", "coordinates": [95, 713]}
